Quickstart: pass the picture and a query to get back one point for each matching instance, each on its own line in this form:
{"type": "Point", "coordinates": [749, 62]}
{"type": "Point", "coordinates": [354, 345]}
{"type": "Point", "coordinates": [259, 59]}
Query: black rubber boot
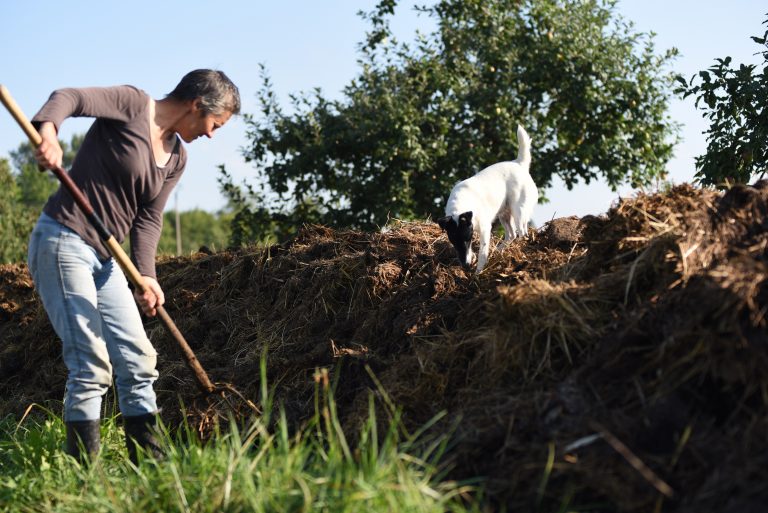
{"type": "Point", "coordinates": [83, 439]}
{"type": "Point", "coordinates": [140, 432]}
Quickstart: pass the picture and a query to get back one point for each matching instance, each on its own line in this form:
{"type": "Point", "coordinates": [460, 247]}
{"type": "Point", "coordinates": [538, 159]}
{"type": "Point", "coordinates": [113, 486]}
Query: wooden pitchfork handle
{"type": "Point", "coordinates": [112, 245]}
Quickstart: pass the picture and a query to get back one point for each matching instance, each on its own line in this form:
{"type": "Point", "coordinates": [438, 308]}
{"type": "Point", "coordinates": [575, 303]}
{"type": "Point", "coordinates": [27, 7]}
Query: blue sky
{"type": "Point", "coordinates": [304, 44]}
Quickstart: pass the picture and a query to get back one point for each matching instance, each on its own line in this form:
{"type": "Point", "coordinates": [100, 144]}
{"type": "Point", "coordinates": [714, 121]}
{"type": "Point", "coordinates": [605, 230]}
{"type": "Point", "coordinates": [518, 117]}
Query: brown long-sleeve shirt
{"type": "Point", "coordinates": [115, 168]}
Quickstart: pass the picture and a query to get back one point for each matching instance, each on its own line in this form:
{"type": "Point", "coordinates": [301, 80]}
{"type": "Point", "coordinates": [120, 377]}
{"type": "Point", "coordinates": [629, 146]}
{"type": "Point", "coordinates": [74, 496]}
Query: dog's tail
{"type": "Point", "coordinates": [523, 146]}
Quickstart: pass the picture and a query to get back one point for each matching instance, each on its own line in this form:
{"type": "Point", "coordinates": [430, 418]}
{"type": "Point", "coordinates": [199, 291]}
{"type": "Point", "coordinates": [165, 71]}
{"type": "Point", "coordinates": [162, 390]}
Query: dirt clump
{"type": "Point", "coordinates": [608, 363]}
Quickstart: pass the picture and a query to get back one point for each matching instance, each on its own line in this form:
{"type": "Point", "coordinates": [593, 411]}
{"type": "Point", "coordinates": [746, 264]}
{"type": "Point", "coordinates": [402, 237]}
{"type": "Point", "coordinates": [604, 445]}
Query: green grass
{"type": "Point", "coordinates": [257, 468]}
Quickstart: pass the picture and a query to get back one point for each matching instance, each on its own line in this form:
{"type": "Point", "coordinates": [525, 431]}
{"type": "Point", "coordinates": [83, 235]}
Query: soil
{"type": "Point", "coordinates": [605, 363]}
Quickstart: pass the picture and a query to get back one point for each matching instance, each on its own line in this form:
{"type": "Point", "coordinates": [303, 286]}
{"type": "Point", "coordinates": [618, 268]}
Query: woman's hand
{"type": "Point", "coordinates": [49, 154]}
{"type": "Point", "coordinates": [151, 298]}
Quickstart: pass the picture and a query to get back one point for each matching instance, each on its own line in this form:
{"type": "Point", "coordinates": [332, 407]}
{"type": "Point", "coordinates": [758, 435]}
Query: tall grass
{"type": "Point", "coordinates": [264, 467]}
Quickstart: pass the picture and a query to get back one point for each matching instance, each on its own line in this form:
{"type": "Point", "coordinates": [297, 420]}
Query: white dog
{"type": "Point", "coordinates": [503, 191]}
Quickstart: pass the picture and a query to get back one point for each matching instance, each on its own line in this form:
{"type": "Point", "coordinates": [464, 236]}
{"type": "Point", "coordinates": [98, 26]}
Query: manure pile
{"type": "Point", "coordinates": [614, 363]}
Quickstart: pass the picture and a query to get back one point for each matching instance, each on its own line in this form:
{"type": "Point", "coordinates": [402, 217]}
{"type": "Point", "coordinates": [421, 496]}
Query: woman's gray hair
{"type": "Point", "coordinates": [215, 91]}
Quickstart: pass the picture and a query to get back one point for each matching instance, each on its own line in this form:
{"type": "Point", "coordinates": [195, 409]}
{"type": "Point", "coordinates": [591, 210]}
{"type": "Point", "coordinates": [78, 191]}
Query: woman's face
{"type": "Point", "coordinates": [197, 124]}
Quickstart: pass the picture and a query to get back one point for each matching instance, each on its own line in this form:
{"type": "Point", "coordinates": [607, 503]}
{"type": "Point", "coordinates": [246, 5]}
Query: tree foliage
{"type": "Point", "coordinates": [735, 102]}
{"type": "Point", "coordinates": [252, 221]}
{"type": "Point", "coordinates": [590, 90]}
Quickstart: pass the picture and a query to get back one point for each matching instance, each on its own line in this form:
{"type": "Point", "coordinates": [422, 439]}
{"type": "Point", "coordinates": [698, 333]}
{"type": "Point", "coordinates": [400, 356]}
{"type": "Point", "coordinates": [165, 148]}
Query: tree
{"type": "Point", "coordinates": [591, 92]}
{"type": "Point", "coordinates": [734, 100]}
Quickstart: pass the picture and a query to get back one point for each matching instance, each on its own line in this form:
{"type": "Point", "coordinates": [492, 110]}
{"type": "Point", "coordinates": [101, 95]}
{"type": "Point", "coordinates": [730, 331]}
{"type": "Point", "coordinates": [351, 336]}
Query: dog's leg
{"type": "Point", "coordinates": [523, 229]}
{"type": "Point", "coordinates": [482, 253]}
{"type": "Point", "coordinates": [509, 230]}
{"type": "Point", "coordinates": [520, 222]}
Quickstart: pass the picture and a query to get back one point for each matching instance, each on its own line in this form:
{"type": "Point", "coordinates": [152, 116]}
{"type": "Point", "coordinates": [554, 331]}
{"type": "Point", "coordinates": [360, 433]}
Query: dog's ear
{"type": "Point", "coordinates": [466, 218]}
{"type": "Point", "coordinates": [443, 221]}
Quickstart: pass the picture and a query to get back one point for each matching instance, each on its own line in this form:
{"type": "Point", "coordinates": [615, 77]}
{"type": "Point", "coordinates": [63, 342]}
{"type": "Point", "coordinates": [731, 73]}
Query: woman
{"type": "Point", "coordinates": [128, 163]}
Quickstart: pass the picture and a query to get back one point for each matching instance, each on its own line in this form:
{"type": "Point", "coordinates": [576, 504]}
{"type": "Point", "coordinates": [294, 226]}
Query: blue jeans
{"type": "Point", "coordinates": [94, 314]}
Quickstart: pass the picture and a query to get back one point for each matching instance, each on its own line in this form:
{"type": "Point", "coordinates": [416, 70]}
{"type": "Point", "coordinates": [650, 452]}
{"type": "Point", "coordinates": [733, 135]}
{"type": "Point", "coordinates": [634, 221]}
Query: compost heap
{"type": "Point", "coordinates": [612, 363]}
